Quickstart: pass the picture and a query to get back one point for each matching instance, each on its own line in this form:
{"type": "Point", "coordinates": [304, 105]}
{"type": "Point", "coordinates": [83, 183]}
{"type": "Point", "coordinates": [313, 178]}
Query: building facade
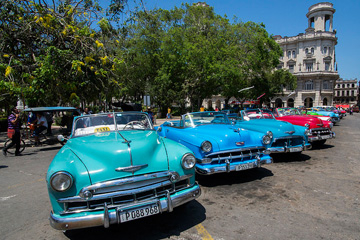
{"type": "Point", "coordinates": [346, 92]}
{"type": "Point", "coordinates": [310, 56]}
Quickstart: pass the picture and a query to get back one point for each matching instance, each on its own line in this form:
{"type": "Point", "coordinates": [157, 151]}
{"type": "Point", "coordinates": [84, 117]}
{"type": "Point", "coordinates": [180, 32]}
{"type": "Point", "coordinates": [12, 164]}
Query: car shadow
{"type": "Point", "coordinates": [233, 177]}
{"type": "Point", "coordinates": [290, 157]}
{"type": "Point", "coordinates": [158, 226]}
{"type": "Point", "coordinates": [3, 166]}
{"type": "Point", "coordinates": [320, 147]}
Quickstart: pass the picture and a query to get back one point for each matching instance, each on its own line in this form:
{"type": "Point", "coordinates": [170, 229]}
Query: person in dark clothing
{"type": "Point", "coordinates": [151, 114]}
{"type": "Point", "coordinates": [13, 131]}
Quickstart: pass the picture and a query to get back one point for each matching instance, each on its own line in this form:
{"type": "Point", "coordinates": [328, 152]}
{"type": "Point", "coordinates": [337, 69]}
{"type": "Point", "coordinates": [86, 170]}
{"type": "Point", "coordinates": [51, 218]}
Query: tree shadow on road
{"type": "Point", "coordinates": [158, 226]}
{"type": "Point", "coordinates": [233, 177]}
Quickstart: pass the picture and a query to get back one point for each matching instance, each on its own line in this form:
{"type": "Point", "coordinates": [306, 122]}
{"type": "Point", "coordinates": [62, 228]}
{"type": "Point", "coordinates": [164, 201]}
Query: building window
{"type": "Point", "coordinates": [329, 50]}
{"type": "Point", "coordinates": [325, 102]}
{"type": "Point", "coordinates": [306, 50]}
{"type": "Point", "coordinates": [352, 85]}
{"type": "Point", "coordinates": [338, 93]}
{"type": "Point", "coordinates": [342, 93]}
{"type": "Point", "coordinates": [293, 54]}
{"type": "Point", "coordinates": [325, 50]}
{"type": "Point", "coordinates": [347, 93]}
{"type": "Point", "coordinates": [326, 85]}
{"type": "Point", "coordinates": [327, 66]}
{"type": "Point", "coordinates": [291, 68]}
{"type": "Point", "coordinates": [312, 50]}
{"type": "Point", "coordinates": [309, 85]}
{"type": "Point", "coordinates": [343, 85]}
{"type": "Point", "coordinates": [309, 67]}
{"type": "Point", "coordinates": [352, 92]}
{"type": "Point", "coordinates": [289, 54]}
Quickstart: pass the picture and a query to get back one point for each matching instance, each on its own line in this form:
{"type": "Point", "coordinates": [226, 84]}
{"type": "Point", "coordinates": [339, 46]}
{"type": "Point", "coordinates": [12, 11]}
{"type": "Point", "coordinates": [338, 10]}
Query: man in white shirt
{"type": "Point", "coordinates": [41, 125]}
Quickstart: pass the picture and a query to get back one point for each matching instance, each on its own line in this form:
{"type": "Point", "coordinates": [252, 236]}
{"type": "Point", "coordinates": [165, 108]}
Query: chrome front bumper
{"type": "Point", "coordinates": [208, 169]}
{"type": "Point", "coordinates": [321, 137]}
{"type": "Point", "coordinates": [289, 149]}
{"type": "Point", "coordinates": [111, 216]}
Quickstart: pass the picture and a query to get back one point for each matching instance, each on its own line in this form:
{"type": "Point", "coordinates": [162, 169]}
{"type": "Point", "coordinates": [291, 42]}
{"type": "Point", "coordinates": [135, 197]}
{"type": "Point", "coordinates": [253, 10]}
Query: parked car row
{"type": "Point", "coordinates": [116, 167]}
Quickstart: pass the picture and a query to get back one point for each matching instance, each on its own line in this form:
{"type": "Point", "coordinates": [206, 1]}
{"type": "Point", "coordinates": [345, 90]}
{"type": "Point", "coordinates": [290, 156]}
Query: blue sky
{"type": "Point", "coordinates": [288, 18]}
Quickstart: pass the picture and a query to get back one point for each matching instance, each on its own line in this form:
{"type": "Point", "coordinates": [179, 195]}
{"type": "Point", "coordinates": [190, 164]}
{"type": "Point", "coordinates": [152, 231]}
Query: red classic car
{"type": "Point", "coordinates": [320, 130]}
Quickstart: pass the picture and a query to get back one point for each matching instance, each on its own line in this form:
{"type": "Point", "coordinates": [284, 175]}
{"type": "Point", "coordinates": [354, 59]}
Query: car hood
{"type": "Point", "coordinates": [278, 128]}
{"type": "Point", "coordinates": [103, 153]}
{"type": "Point", "coordinates": [225, 136]}
{"type": "Point", "coordinates": [302, 120]}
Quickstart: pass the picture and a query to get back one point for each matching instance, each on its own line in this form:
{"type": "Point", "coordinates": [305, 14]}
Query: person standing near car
{"type": "Point", "coordinates": [13, 131]}
{"type": "Point", "coordinates": [41, 125]}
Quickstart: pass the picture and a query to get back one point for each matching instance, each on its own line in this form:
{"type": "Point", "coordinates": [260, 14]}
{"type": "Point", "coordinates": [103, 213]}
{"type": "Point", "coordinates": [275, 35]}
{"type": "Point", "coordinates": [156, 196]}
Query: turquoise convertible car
{"type": "Point", "coordinates": [116, 168]}
{"type": "Point", "coordinates": [218, 145]}
{"type": "Point", "coordinates": [286, 137]}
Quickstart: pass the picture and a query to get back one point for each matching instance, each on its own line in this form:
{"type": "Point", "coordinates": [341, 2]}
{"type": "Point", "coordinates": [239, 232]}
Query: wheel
{"type": "Point", "coordinates": [13, 148]}
{"type": "Point", "coordinates": [132, 123]}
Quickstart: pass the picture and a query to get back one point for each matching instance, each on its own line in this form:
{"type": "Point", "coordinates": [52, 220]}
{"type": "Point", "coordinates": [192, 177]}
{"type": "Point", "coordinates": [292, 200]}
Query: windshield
{"type": "Point", "coordinates": [98, 123]}
{"type": "Point", "coordinates": [201, 118]}
{"type": "Point", "coordinates": [288, 111]}
{"type": "Point", "coordinates": [257, 114]}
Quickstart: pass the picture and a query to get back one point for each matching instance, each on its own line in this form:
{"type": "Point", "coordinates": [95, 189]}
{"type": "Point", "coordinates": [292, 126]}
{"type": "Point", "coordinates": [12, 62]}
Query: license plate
{"type": "Point", "coordinates": [296, 149]}
{"type": "Point", "coordinates": [325, 137]}
{"type": "Point", "coordinates": [139, 212]}
{"type": "Point", "coordinates": [244, 166]}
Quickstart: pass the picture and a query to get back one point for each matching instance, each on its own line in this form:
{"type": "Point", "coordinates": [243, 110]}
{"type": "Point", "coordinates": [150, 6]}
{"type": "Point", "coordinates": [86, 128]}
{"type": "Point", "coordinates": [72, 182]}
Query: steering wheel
{"type": "Point", "coordinates": [132, 123]}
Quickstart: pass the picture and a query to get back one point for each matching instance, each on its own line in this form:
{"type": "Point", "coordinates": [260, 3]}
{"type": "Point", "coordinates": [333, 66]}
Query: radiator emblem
{"type": "Point", "coordinates": [131, 169]}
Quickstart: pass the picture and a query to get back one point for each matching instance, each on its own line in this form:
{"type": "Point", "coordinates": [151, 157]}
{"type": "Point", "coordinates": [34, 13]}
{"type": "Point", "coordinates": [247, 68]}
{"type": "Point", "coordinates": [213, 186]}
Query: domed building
{"type": "Point", "coordinates": [310, 56]}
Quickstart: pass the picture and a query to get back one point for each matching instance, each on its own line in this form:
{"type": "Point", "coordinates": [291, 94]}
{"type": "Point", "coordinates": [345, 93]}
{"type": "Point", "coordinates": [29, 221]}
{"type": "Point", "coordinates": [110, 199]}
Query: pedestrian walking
{"type": "Point", "coordinates": [13, 131]}
{"type": "Point", "coordinates": [50, 120]}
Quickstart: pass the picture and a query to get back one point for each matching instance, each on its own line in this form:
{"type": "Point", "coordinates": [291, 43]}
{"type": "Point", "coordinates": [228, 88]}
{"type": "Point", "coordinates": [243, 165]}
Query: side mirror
{"type": "Point", "coordinates": [159, 129]}
{"type": "Point", "coordinates": [60, 138]}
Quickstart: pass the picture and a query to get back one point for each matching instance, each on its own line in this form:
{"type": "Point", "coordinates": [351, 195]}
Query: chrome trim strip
{"type": "Point", "coordinates": [92, 220]}
{"type": "Point", "coordinates": [121, 193]}
{"type": "Point", "coordinates": [106, 216]}
{"type": "Point", "coordinates": [123, 181]}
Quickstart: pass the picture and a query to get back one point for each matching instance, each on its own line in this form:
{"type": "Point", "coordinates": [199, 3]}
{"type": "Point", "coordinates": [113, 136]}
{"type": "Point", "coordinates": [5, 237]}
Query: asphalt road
{"type": "Point", "coordinates": [314, 195]}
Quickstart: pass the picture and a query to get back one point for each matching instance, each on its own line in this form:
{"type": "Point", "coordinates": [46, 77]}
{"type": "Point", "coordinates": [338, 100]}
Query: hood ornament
{"type": "Point", "coordinates": [131, 169]}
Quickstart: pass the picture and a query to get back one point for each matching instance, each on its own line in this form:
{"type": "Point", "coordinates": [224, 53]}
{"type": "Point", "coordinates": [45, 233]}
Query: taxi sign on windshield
{"type": "Point", "coordinates": [102, 129]}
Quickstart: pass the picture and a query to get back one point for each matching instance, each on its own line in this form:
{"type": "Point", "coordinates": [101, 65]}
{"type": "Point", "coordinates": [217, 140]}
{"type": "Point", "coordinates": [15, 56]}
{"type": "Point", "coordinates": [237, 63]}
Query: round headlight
{"type": "Point", "coordinates": [269, 133]}
{"type": "Point", "coordinates": [206, 146]}
{"type": "Point", "coordinates": [307, 132]}
{"type": "Point", "coordinates": [188, 161]}
{"type": "Point", "coordinates": [307, 125]}
{"type": "Point", "coordinates": [266, 139]}
{"type": "Point", "coordinates": [61, 181]}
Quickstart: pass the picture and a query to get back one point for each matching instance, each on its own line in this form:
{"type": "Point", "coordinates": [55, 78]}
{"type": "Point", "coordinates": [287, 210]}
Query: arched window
{"type": "Point", "coordinates": [289, 54]}
{"type": "Point", "coordinates": [306, 50]}
{"type": "Point", "coordinates": [308, 102]}
{"type": "Point", "coordinates": [293, 54]}
{"type": "Point", "coordinates": [325, 102]}
{"type": "Point", "coordinates": [312, 50]}
{"type": "Point", "coordinates": [209, 105]}
{"type": "Point", "coordinates": [290, 102]}
{"type": "Point", "coordinates": [278, 103]}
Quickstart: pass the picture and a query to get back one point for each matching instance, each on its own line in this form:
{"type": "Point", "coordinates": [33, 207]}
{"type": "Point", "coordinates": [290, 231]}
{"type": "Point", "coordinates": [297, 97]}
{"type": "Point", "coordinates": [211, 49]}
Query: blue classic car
{"type": "Point", "coordinates": [116, 168]}
{"type": "Point", "coordinates": [218, 145]}
{"type": "Point", "coordinates": [286, 137]}
{"type": "Point", "coordinates": [335, 118]}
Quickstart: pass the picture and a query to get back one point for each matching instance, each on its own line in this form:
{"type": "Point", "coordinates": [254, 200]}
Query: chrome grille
{"type": "Point", "coordinates": [147, 189]}
{"type": "Point", "coordinates": [320, 131]}
{"type": "Point", "coordinates": [237, 155]}
{"type": "Point", "coordinates": [288, 141]}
